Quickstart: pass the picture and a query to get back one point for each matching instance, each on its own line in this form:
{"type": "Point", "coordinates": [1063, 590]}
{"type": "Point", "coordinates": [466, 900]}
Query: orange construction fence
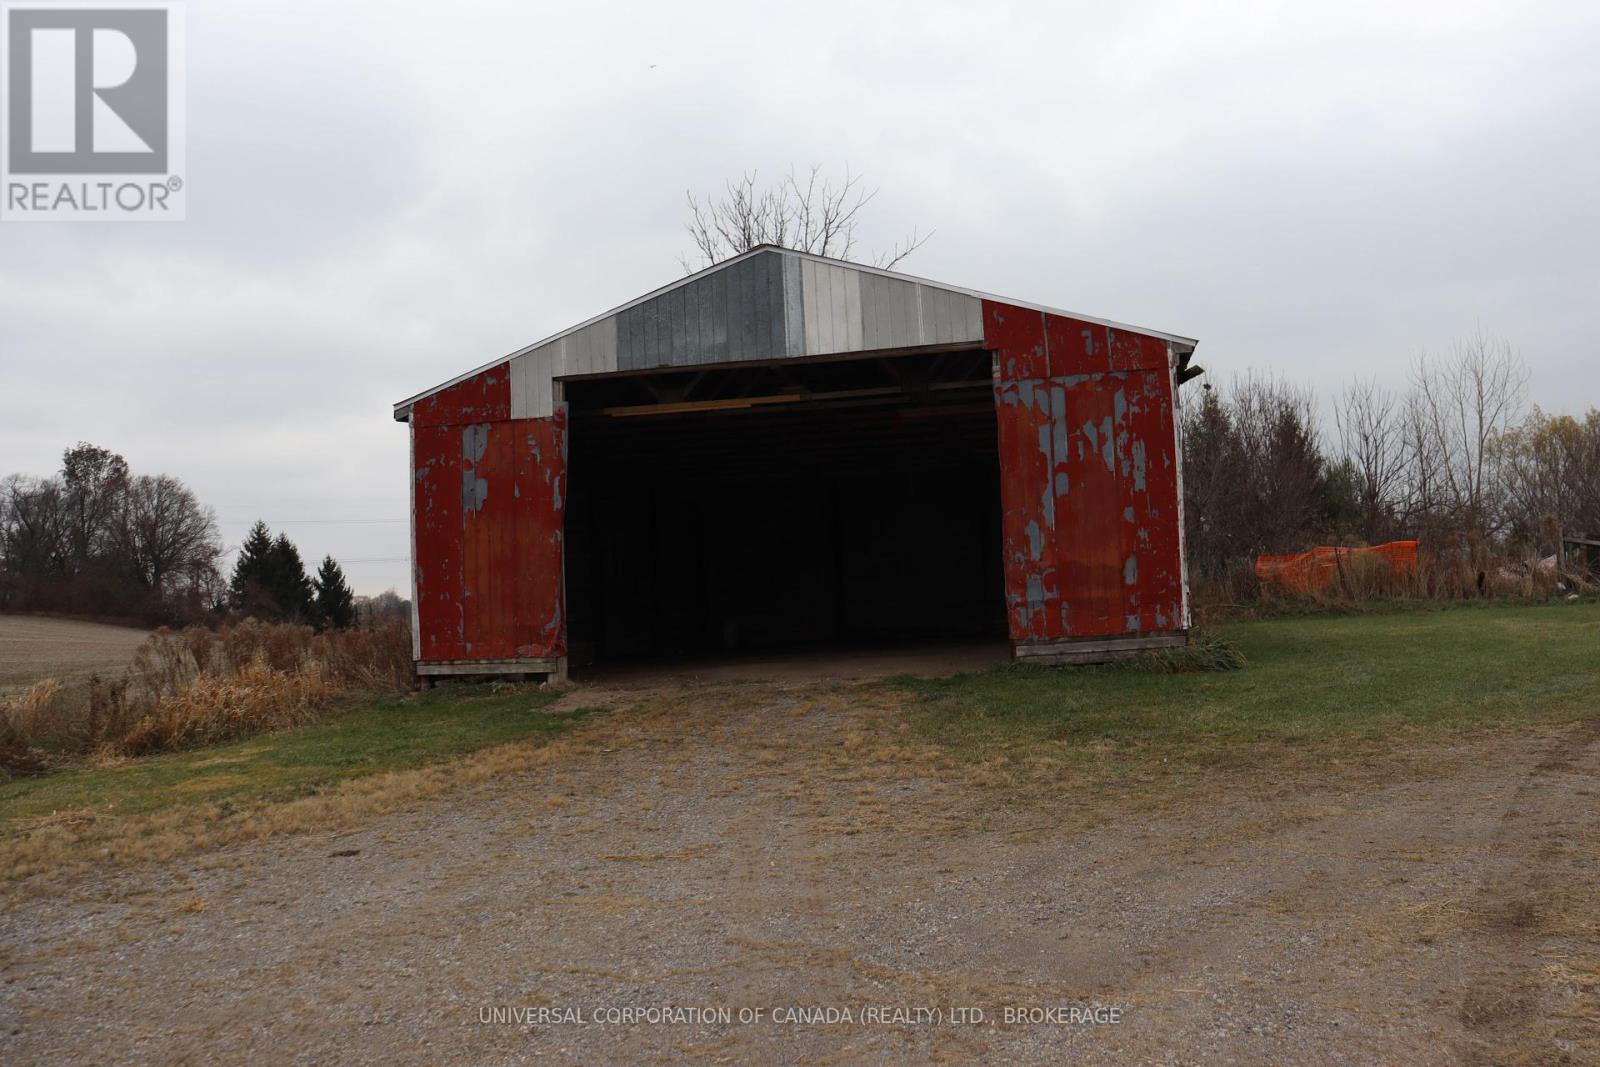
{"type": "Point", "coordinates": [1307, 572]}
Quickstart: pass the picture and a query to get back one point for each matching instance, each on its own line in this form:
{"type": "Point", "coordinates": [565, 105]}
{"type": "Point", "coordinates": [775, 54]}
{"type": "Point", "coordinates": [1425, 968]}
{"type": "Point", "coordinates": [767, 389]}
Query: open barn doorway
{"type": "Point", "coordinates": [783, 507]}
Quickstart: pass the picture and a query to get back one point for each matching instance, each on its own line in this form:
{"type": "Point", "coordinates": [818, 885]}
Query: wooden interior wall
{"type": "Point", "coordinates": [1089, 477]}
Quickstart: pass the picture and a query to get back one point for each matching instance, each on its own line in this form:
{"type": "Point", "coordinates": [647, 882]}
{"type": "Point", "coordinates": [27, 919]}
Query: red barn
{"type": "Point", "coordinates": [785, 450]}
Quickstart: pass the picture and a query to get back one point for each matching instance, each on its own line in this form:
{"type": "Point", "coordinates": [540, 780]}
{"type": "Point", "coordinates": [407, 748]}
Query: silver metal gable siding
{"type": "Point", "coordinates": [769, 303]}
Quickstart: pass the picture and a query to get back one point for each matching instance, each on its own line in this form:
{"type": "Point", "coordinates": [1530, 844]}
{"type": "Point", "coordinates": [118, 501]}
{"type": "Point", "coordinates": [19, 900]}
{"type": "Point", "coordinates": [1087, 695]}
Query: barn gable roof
{"type": "Point", "coordinates": [766, 303]}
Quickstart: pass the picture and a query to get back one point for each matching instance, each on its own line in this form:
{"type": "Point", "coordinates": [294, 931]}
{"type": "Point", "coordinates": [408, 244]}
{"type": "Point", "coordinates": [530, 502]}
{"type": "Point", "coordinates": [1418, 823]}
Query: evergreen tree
{"type": "Point", "coordinates": [291, 589]}
{"type": "Point", "coordinates": [251, 588]}
{"type": "Point", "coordinates": [335, 607]}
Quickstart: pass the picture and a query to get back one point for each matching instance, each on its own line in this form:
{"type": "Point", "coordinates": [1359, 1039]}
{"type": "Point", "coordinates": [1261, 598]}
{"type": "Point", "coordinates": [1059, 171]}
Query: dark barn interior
{"type": "Point", "coordinates": [784, 505]}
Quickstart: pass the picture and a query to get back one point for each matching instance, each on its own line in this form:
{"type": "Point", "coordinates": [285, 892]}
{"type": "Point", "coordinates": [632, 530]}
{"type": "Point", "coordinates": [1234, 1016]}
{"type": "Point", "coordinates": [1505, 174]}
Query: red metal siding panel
{"type": "Point", "coordinates": [436, 487]}
{"type": "Point", "coordinates": [1089, 478]}
{"type": "Point", "coordinates": [1075, 347]}
{"type": "Point", "coordinates": [1136, 351]}
{"type": "Point", "coordinates": [1154, 527]}
{"type": "Point", "coordinates": [539, 604]}
{"type": "Point", "coordinates": [1028, 519]}
{"type": "Point", "coordinates": [484, 397]}
{"type": "Point", "coordinates": [1016, 335]}
{"type": "Point", "coordinates": [1091, 507]}
{"type": "Point", "coordinates": [489, 511]}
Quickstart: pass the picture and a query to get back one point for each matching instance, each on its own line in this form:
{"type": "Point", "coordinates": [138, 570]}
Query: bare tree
{"type": "Point", "coordinates": [94, 480]}
{"type": "Point", "coordinates": [1423, 492]}
{"type": "Point", "coordinates": [371, 610]}
{"type": "Point", "coordinates": [1461, 406]}
{"type": "Point", "coordinates": [95, 540]}
{"type": "Point", "coordinates": [1371, 425]}
{"type": "Point", "coordinates": [167, 536]}
{"type": "Point", "coordinates": [33, 528]}
{"type": "Point", "coordinates": [809, 214]}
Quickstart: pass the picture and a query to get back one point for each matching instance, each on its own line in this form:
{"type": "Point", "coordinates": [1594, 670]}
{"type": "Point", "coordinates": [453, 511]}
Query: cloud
{"type": "Point", "coordinates": [384, 196]}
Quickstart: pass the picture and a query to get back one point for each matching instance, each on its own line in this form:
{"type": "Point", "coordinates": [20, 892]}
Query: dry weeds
{"type": "Point", "coordinates": [197, 686]}
{"type": "Point", "coordinates": [211, 709]}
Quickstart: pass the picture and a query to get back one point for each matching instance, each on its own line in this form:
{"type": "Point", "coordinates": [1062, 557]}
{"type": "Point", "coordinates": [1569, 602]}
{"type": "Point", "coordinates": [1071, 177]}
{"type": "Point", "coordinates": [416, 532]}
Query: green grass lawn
{"type": "Point", "coordinates": [1357, 678]}
{"type": "Point", "coordinates": [392, 734]}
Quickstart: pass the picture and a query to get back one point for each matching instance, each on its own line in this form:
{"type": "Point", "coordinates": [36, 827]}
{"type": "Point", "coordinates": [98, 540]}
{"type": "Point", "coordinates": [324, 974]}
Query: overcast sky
{"type": "Point", "coordinates": [382, 195]}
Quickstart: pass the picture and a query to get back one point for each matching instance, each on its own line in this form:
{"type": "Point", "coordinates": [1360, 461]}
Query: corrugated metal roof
{"type": "Point", "coordinates": [766, 303]}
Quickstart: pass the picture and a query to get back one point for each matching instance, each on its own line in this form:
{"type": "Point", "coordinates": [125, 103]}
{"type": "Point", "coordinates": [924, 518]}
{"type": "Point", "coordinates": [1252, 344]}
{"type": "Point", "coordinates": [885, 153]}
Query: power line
{"type": "Point", "coordinates": [342, 562]}
{"type": "Point", "coordinates": [313, 522]}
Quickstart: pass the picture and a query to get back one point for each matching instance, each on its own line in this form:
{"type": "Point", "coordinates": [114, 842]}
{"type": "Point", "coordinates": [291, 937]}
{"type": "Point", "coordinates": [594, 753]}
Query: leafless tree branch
{"type": "Point", "coordinates": [807, 212]}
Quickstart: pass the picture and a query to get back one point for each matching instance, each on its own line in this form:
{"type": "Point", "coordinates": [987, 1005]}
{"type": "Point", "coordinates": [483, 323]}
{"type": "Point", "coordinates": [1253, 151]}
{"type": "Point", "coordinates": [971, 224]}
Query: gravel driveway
{"type": "Point", "coordinates": [742, 876]}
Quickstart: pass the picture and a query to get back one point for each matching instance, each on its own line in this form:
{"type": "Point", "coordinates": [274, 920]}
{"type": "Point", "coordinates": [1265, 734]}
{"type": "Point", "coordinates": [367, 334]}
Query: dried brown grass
{"type": "Point", "coordinates": [212, 709]}
{"type": "Point", "coordinates": [196, 686]}
{"type": "Point", "coordinates": [21, 717]}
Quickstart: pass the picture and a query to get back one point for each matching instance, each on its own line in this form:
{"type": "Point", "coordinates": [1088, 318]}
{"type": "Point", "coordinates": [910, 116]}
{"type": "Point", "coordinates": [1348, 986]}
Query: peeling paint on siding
{"type": "Point", "coordinates": [483, 398]}
{"type": "Point", "coordinates": [1089, 485]}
